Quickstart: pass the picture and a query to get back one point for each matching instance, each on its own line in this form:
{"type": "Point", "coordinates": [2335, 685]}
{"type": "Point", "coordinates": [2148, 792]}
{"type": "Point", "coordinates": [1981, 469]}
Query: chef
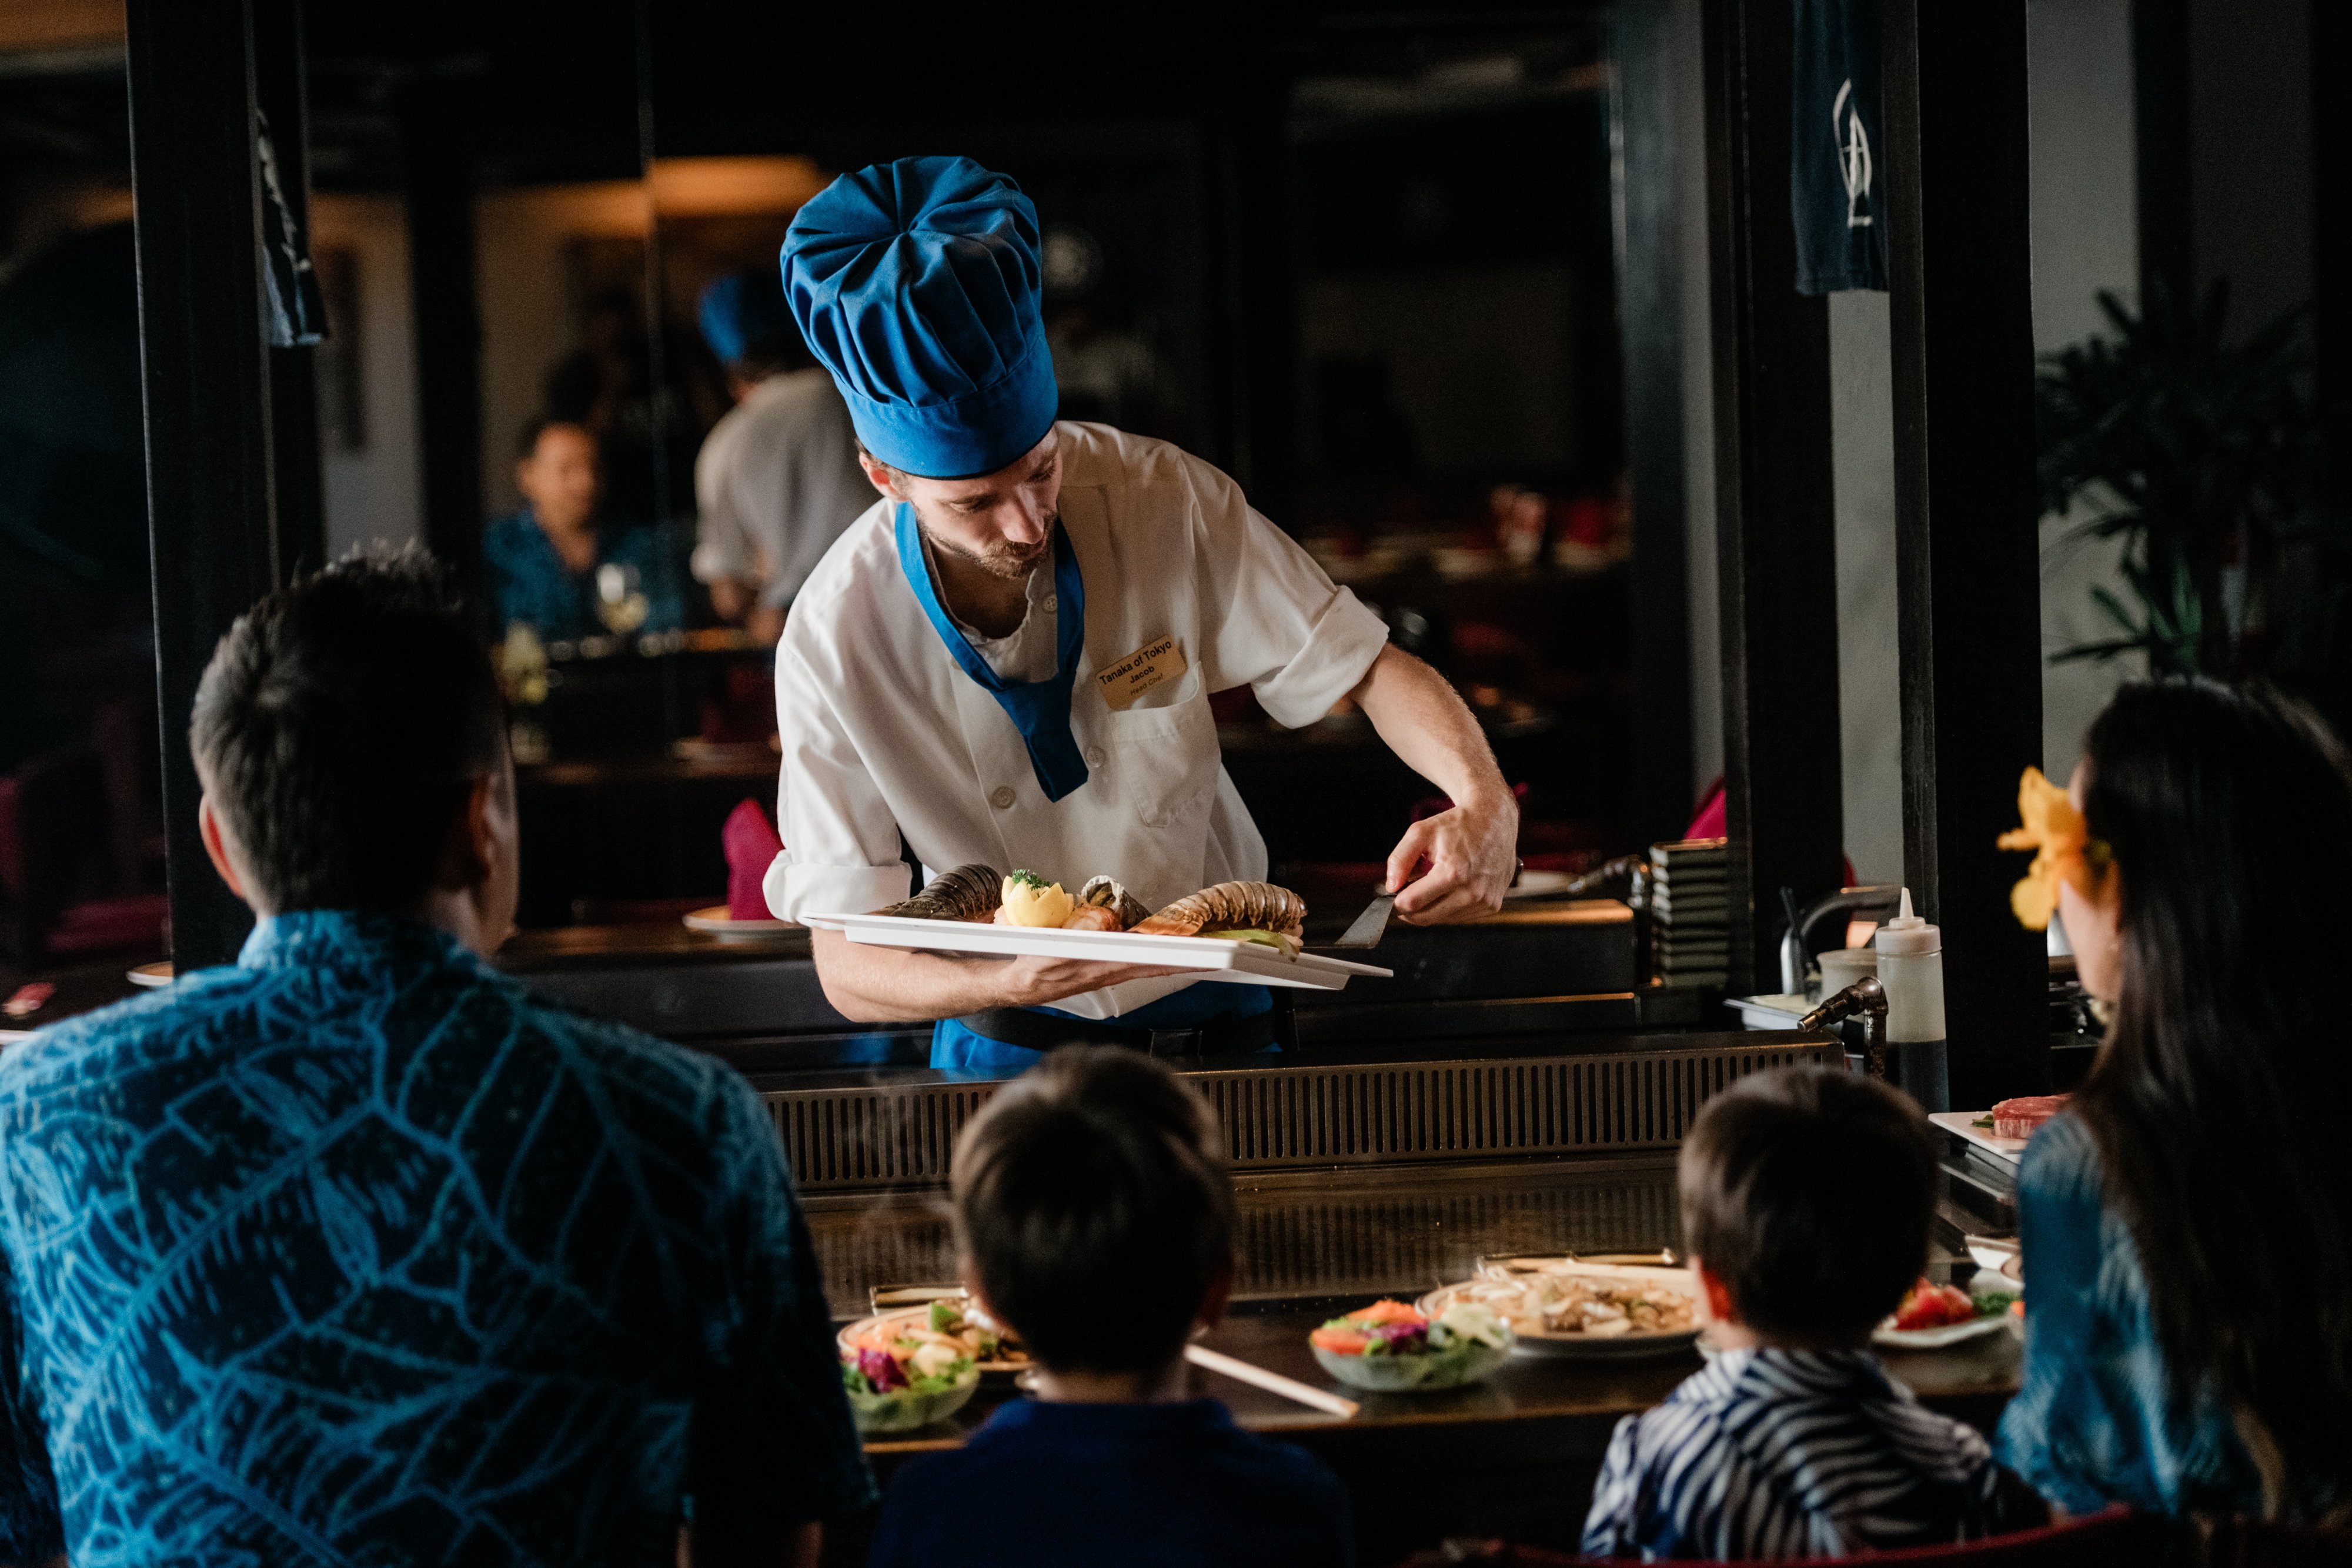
{"type": "Point", "coordinates": [1008, 658]}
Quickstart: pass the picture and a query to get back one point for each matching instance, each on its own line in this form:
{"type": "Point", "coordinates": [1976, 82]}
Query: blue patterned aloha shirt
{"type": "Point", "coordinates": [2096, 1420]}
{"type": "Point", "coordinates": [357, 1252]}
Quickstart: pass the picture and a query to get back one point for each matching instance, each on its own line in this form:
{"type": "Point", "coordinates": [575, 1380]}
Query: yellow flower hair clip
{"type": "Point", "coordinates": [2064, 851]}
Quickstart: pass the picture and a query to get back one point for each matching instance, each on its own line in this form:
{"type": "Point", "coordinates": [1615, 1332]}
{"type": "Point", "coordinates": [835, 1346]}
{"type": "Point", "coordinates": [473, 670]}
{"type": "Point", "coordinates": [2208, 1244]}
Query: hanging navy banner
{"type": "Point", "coordinates": [1835, 189]}
{"type": "Point", "coordinates": [298, 310]}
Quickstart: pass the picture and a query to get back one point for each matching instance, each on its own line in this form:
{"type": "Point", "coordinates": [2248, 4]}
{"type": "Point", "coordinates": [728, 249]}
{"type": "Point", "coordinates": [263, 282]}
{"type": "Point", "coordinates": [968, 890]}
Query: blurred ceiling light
{"type": "Point", "coordinates": [717, 187]}
{"type": "Point", "coordinates": [39, 37]}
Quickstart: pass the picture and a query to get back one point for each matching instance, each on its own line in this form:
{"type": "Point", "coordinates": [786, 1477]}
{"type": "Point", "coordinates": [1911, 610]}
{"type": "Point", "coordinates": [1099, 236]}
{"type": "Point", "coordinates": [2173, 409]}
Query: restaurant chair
{"type": "Point", "coordinates": [2114, 1539]}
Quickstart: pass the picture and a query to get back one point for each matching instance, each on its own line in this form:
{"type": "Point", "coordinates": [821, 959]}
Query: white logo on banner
{"type": "Point", "coordinates": [1854, 155]}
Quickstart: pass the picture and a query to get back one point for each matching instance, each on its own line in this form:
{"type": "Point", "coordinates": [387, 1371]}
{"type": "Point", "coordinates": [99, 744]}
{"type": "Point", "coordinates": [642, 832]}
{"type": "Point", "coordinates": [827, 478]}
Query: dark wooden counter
{"type": "Point", "coordinates": [1534, 969]}
{"type": "Point", "coordinates": [1514, 1457]}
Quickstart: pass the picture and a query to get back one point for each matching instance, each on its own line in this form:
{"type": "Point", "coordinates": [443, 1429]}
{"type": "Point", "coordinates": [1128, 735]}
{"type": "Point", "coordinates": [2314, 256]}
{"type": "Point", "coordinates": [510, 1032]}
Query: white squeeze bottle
{"type": "Point", "coordinates": [1911, 969]}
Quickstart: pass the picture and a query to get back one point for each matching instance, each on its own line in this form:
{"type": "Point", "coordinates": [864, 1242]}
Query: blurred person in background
{"type": "Point", "coordinates": [777, 480]}
{"type": "Point", "coordinates": [561, 568]}
{"type": "Point", "coordinates": [646, 426]}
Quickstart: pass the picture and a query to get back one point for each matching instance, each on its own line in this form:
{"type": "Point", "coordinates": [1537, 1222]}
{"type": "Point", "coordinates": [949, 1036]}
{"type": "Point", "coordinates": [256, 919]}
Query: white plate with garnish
{"type": "Point", "coordinates": [1585, 1311]}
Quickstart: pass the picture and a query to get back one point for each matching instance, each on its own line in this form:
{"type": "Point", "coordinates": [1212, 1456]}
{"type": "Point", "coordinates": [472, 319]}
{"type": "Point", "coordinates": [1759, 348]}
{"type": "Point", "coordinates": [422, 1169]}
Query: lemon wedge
{"type": "Point", "coordinates": [1030, 900]}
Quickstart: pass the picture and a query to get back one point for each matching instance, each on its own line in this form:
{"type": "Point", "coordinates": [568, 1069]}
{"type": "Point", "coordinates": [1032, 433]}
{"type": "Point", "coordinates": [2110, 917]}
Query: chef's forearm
{"type": "Point", "coordinates": [1425, 722]}
{"type": "Point", "coordinates": [894, 985]}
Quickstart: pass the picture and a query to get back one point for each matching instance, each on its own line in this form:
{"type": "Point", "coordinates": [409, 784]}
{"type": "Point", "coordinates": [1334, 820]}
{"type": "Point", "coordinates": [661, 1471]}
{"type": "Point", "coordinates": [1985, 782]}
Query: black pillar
{"type": "Point", "coordinates": [438, 151]}
{"type": "Point", "coordinates": [299, 484]}
{"type": "Point", "coordinates": [1648, 112]}
{"type": "Point", "coordinates": [1775, 518]}
{"type": "Point", "coordinates": [207, 374]}
{"type": "Point", "coordinates": [2168, 262]}
{"type": "Point", "coordinates": [1966, 513]}
{"type": "Point", "coordinates": [2331, 226]}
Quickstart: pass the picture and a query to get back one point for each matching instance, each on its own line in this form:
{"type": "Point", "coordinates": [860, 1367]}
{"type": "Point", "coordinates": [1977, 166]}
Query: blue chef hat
{"type": "Point", "coordinates": [915, 285]}
{"type": "Point", "coordinates": [745, 311]}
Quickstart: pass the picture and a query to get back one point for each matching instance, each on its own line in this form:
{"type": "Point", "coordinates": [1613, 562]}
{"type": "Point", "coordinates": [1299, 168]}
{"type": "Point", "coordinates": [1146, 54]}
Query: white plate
{"type": "Point", "coordinates": [1937, 1338]}
{"type": "Point", "coordinates": [1241, 963]}
{"type": "Point", "coordinates": [1582, 1346]}
{"type": "Point", "coordinates": [715, 921]}
{"type": "Point", "coordinates": [1963, 1124]}
{"type": "Point", "coordinates": [1994, 1254]}
{"type": "Point", "coordinates": [152, 976]}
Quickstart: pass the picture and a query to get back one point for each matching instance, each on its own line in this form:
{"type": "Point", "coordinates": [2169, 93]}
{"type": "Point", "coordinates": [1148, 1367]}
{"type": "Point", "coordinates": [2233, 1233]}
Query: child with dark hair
{"type": "Point", "coordinates": [1806, 1195]}
{"type": "Point", "coordinates": [1096, 1219]}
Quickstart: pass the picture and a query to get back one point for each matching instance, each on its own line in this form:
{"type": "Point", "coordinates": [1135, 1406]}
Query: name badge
{"type": "Point", "coordinates": [1124, 680]}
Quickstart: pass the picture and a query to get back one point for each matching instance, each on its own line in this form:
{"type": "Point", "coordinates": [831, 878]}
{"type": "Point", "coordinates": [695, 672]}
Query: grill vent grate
{"type": "Point", "coordinates": [889, 1136]}
{"type": "Point", "coordinates": [1378, 1233]}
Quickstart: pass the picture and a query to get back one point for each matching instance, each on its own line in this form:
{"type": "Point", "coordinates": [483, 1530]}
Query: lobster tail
{"type": "Point", "coordinates": [966, 893]}
{"type": "Point", "coordinates": [1230, 906]}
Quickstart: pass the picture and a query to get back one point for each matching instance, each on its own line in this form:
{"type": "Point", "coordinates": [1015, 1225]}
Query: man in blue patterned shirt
{"type": "Point", "coordinates": [357, 1252]}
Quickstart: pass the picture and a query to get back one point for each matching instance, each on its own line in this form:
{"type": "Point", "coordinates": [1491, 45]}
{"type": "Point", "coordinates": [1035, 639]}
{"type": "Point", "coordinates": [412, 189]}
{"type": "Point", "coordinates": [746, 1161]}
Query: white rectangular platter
{"type": "Point", "coordinates": [1963, 1124]}
{"type": "Point", "coordinates": [1240, 963]}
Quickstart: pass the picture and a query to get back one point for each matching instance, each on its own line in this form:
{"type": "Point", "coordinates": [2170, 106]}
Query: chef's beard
{"type": "Point", "coordinates": [1008, 562]}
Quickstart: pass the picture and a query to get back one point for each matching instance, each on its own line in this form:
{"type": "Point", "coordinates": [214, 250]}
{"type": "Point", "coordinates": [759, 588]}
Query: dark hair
{"type": "Point", "coordinates": [1093, 1205]}
{"type": "Point", "coordinates": [340, 725]}
{"type": "Point", "coordinates": [2213, 1102]}
{"type": "Point", "coordinates": [1809, 1192]}
{"type": "Point", "coordinates": [527, 438]}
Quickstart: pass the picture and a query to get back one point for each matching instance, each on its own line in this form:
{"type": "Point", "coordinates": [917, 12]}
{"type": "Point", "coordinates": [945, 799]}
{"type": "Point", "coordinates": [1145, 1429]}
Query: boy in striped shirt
{"type": "Point", "coordinates": [1806, 1195]}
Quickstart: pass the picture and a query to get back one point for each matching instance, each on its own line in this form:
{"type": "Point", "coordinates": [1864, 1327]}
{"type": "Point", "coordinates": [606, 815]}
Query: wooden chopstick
{"type": "Point", "coordinates": [1272, 1382]}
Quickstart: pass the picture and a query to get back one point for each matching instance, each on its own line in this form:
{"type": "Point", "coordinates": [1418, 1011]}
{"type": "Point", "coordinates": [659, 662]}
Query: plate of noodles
{"type": "Point", "coordinates": [1569, 1308]}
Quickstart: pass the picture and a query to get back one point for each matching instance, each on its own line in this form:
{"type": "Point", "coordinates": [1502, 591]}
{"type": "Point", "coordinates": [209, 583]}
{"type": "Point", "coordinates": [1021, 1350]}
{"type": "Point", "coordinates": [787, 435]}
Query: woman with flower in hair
{"type": "Point", "coordinates": [2188, 1222]}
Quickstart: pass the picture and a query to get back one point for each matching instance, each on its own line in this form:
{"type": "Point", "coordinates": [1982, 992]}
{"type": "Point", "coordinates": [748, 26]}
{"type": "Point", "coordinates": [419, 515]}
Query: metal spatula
{"type": "Point", "coordinates": [1369, 927]}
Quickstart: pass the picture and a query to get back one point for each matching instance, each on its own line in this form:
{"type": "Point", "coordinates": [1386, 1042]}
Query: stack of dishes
{"type": "Point", "coordinates": [1689, 910]}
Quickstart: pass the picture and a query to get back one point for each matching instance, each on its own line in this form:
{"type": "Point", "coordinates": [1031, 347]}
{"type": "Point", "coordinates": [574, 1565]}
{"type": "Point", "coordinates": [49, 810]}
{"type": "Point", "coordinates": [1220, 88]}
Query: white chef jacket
{"type": "Point", "coordinates": [776, 482]}
{"type": "Point", "coordinates": [883, 734]}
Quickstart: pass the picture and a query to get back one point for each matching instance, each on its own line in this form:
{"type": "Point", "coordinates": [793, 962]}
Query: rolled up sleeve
{"type": "Point", "coordinates": [841, 838]}
{"type": "Point", "coordinates": [1272, 620]}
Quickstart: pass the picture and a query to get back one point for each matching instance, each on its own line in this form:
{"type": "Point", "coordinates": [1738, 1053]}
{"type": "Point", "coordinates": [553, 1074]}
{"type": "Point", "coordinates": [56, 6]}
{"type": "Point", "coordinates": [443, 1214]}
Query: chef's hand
{"type": "Point", "coordinates": [1472, 852]}
{"type": "Point", "coordinates": [1033, 982]}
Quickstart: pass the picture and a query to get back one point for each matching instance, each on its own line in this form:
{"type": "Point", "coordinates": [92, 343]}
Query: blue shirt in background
{"type": "Point", "coordinates": [1045, 1485]}
{"type": "Point", "coordinates": [358, 1252]}
{"type": "Point", "coordinates": [2096, 1420]}
{"type": "Point", "coordinates": [1767, 1454]}
{"type": "Point", "coordinates": [530, 583]}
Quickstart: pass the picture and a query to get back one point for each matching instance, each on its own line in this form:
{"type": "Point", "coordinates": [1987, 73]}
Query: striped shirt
{"type": "Point", "coordinates": [1766, 1454]}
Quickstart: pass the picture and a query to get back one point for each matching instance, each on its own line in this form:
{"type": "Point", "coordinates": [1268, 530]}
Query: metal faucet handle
{"type": "Point", "coordinates": [1866, 995]}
